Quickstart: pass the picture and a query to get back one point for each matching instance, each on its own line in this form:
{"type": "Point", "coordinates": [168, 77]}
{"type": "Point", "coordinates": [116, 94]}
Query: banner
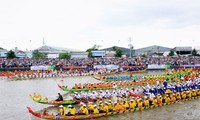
{"type": "Point", "coordinates": [155, 66]}
{"type": "Point", "coordinates": [41, 67]}
{"type": "Point", "coordinates": [74, 67]}
{"type": "Point", "coordinates": [195, 65]}
{"type": "Point", "coordinates": [108, 67]}
{"type": "Point", "coordinates": [132, 66]}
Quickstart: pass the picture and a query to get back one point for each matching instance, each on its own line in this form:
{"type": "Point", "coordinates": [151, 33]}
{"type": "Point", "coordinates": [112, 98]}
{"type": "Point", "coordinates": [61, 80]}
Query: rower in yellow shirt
{"type": "Point", "coordinates": [168, 91]}
{"type": "Point", "coordinates": [146, 102]}
{"type": "Point", "coordinates": [85, 110]}
{"type": "Point", "coordinates": [101, 107]}
{"type": "Point", "coordinates": [188, 94]}
{"type": "Point", "coordinates": [140, 104]}
{"type": "Point", "coordinates": [167, 100]}
{"type": "Point", "coordinates": [117, 107]}
{"type": "Point", "coordinates": [90, 107]}
{"type": "Point", "coordinates": [125, 104]}
{"type": "Point", "coordinates": [105, 108]}
{"type": "Point", "coordinates": [71, 111]}
{"type": "Point", "coordinates": [110, 106]}
{"type": "Point", "coordinates": [132, 104]}
{"type": "Point", "coordinates": [183, 95]}
{"type": "Point", "coordinates": [96, 111]}
{"type": "Point", "coordinates": [198, 92]}
{"type": "Point", "coordinates": [173, 98]}
{"type": "Point", "coordinates": [194, 94]}
{"type": "Point", "coordinates": [154, 102]}
{"type": "Point", "coordinates": [178, 96]}
{"type": "Point", "coordinates": [62, 110]}
{"type": "Point", "coordinates": [159, 100]}
{"type": "Point", "coordinates": [81, 107]}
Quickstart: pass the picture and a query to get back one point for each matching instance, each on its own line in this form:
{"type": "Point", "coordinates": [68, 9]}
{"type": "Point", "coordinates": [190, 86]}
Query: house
{"type": "Point", "coordinates": [53, 52]}
{"type": "Point", "coordinates": [151, 50]}
{"type": "Point", "coordinates": [3, 53]}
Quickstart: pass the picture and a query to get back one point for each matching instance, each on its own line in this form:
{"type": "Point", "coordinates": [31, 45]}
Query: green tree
{"type": "Point", "coordinates": [194, 52]}
{"type": "Point", "coordinates": [118, 52]}
{"type": "Point", "coordinates": [38, 55]}
{"type": "Point", "coordinates": [143, 55]}
{"type": "Point", "coordinates": [95, 47]}
{"type": "Point", "coordinates": [171, 53]}
{"type": "Point", "coordinates": [114, 48]}
{"type": "Point", "coordinates": [64, 55]}
{"type": "Point", "coordinates": [11, 54]}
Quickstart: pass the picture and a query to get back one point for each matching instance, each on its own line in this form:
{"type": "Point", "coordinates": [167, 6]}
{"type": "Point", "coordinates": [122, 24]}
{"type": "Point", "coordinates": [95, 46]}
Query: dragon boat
{"type": "Point", "coordinates": [70, 102]}
{"type": "Point", "coordinates": [52, 102]}
{"type": "Point", "coordinates": [92, 116]}
{"type": "Point", "coordinates": [107, 86]}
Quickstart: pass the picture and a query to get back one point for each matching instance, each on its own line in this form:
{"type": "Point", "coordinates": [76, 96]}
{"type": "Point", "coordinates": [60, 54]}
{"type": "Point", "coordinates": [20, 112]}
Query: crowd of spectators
{"type": "Point", "coordinates": [90, 62]}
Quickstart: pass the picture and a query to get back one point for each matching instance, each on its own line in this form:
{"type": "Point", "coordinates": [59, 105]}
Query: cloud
{"type": "Point", "coordinates": [82, 24]}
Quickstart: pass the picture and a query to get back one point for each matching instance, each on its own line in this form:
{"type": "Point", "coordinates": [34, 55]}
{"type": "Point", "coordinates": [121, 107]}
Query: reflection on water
{"type": "Point", "coordinates": [15, 97]}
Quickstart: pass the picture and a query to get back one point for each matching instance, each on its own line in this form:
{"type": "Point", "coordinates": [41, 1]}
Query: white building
{"type": "Point", "coordinates": [3, 53]}
{"type": "Point", "coordinates": [53, 52]}
{"type": "Point", "coordinates": [79, 54]}
{"type": "Point", "coordinates": [20, 53]}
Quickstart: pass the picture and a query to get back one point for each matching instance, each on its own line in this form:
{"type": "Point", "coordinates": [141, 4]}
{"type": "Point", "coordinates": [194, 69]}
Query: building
{"type": "Point", "coordinates": [3, 53]}
{"type": "Point", "coordinates": [29, 53]}
{"type": "Point", "coordinates": [19, 53]}
{"type": "Point", "coordinates": [53, 52]}
{"type": "Point", "coordinates": [197, 48]}
{"type": "Point", "coordinates": [79, 54]}
{"type": "Point", "coordinates": [110, 54]}
{"type": "Point", "coordinates": [183, 50]}
{"type": "Point", "coordinates": [152, 50]}
{"type": "Point", "coordinates": [126, 51]}
{"type": "Point", "coordinates": [100, 53]}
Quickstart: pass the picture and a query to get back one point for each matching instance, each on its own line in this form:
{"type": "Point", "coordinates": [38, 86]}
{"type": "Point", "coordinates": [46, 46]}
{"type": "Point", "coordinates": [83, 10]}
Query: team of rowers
{"type": "Point", "coordinates": [34, 74]}
{"type": "Point", "coordinates": [116, 83]}
{"type": "Point", "coordinates": [158, 89]}
{"type": "Point", "coordinates": [151, 96]}
{"type": "Point", "coordinates": [94, 95]}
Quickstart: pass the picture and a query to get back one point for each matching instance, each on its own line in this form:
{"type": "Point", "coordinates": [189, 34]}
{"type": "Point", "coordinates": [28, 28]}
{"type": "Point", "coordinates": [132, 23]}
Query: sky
{"type": "Point", "coordinates": [79, 24]}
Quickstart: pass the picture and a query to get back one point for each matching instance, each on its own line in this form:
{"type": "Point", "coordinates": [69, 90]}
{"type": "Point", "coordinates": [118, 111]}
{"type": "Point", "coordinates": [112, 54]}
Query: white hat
{"type": "Point", "coordinates": [90, 102]}
{"type": "Point", "coordinates": [69, 106]}
{"type": "Point", "coordinates": [61, 106]}
{"type": "Point", "coordinates": [100, 101]}
{"type": "Point", "coordinates": [81, 103]}
{"type": "Point", "coordinates": [109, 100]}
{"type": "Point", "coordinates": [84, 105]}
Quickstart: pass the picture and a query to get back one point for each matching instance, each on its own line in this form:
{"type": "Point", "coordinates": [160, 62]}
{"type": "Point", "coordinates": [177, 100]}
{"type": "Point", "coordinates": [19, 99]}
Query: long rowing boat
{"type": "Point", "coordinates": [91, 116]}
{"type": "Point", "coordinates": [127, 77]}
{"type": "Point", "coordinates": [52, 102]}
{"type": "Point", "coordinates": [132, 83]}
{"type": "Point", "coordinates": [64, 102]}
{"type": "Point", "coordinates": [81, 89]}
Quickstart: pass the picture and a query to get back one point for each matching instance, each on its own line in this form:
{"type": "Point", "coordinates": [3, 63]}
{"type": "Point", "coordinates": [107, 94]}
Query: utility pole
{"type": "Point", "coordinates": [43, 42]}
{"type": "Point", "coordinates": [131, 46]}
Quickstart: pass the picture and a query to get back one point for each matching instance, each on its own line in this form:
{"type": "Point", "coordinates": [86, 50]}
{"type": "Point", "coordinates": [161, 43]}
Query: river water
{"type": "Point", "coordinates": [15, 97]}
